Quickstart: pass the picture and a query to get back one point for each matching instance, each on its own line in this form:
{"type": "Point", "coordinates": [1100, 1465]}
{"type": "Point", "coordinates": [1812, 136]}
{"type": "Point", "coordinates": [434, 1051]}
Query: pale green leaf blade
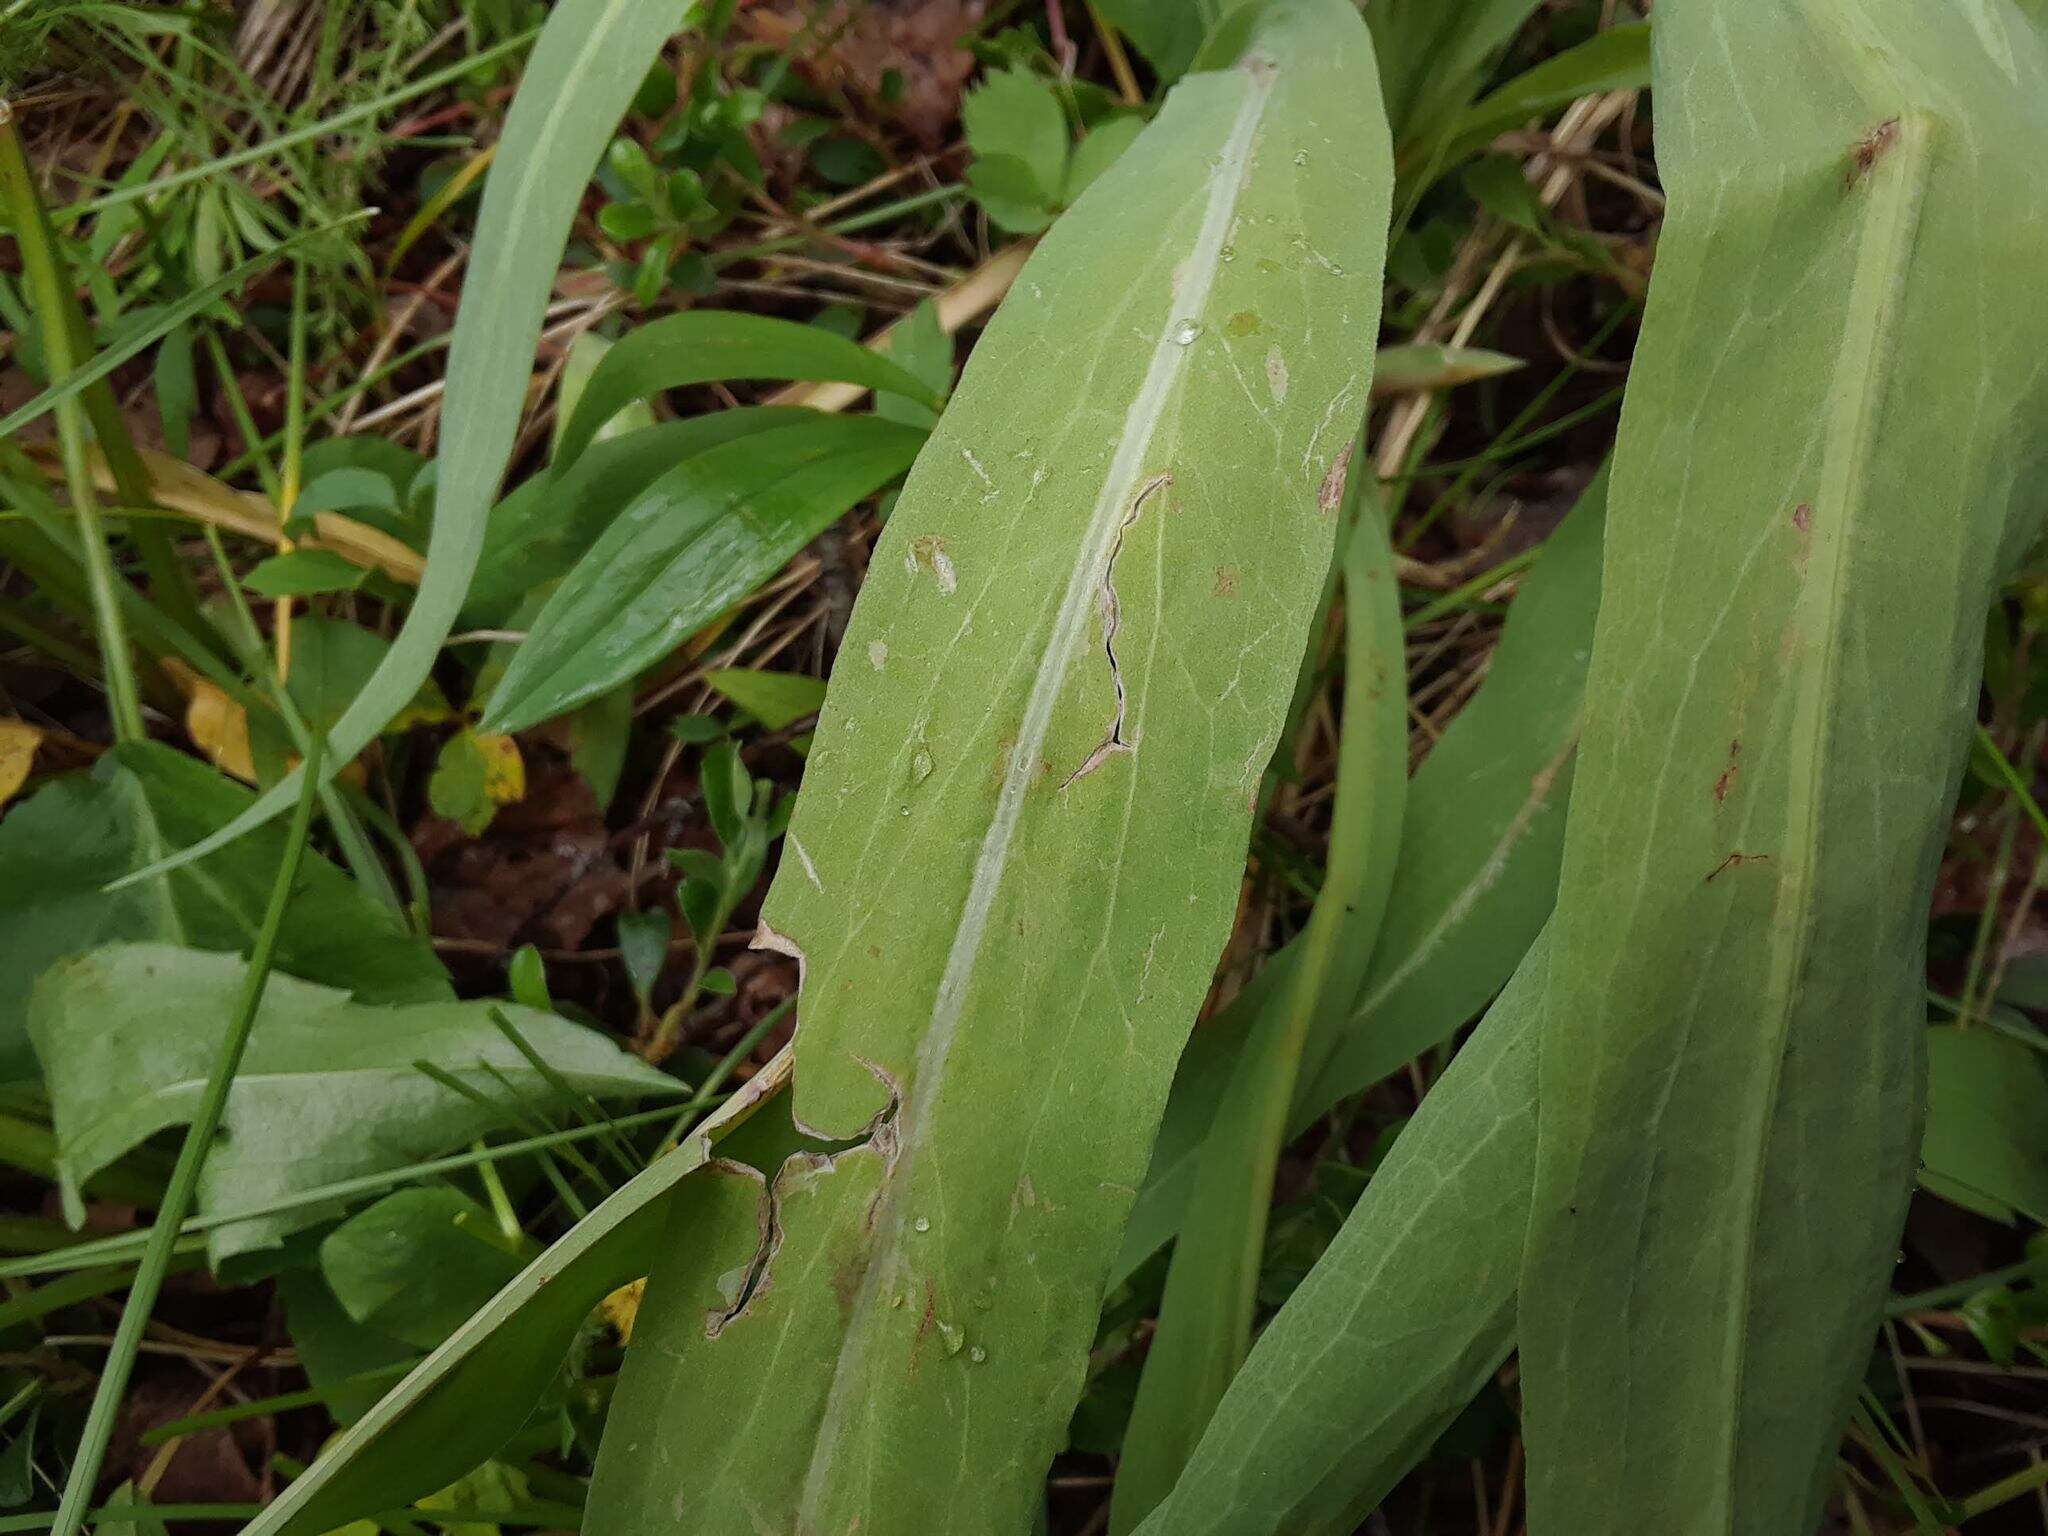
{"type": "Point", "coordinates": [1071, 659]}
{"type": "Point", "coordinates": [329, 1088]}
{"type": "Point", "coordinates": [590, 58]}
{"type": "Point", "coordinates": [1831, 438]}
{"type": "Point", "coordinates": [699, 346]}
{"type": "Point", "coordinates": [697, 540]}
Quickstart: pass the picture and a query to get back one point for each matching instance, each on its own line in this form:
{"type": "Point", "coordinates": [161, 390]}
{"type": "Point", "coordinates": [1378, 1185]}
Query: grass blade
{"type": "Point", "coordinates": [184, 1185]}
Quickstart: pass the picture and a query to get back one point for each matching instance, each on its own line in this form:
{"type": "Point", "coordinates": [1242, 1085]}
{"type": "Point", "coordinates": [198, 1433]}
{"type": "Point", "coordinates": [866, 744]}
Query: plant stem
{"type": "Point", "coordinates": [46, 286]}
{"type": "Point", "coordinates": [178, 1199]}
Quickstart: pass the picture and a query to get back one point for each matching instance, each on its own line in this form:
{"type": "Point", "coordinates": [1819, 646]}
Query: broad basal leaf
{"type": "Point", "coordinates": [697, 540]}
{"type": "Point", "coordinates": [329, 1089]}
{"type": "Point", "coordinates": [59, 849]}
{"type": "Point", "coordinates": [1834, 431]}
{"type": "Point", "coordinates": [1017, 851]}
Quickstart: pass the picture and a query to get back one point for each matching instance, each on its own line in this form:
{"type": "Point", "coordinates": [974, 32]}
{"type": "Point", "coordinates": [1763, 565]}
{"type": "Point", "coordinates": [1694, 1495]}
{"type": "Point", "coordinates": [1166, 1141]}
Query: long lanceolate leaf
{"type": "Point", "coordinates": [591, 56]}
{"type": "Point", "coordinates": [1017, 851]}
{"type": "Point", "coordinates": [1834, 431]}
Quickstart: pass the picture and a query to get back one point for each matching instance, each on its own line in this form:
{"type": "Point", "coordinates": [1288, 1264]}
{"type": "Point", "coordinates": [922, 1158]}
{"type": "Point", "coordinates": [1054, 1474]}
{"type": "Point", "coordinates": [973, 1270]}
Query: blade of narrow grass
{"type": "Point", "coordinates": [1205, 1320]}
{"type": "Point", "coordinates": [46, 285]}
{"type": "Point", "coordinates": [178, 1199]}
{"type": "Point", "coordinates": [591, 57]}
{"type": "Point", "coordinates": [104, 1250]}
{"type": "Point", "coordinates": [584, 1105]}
{"type": "Point", "coordinates": [360, 112]}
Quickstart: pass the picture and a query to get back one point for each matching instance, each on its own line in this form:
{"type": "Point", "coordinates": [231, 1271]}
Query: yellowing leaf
{"type": "Point", "coordinates": [622, 1306]}
{"type": "Point", "coordinates": [478, 772]}
{"type": "Point", "coordinates": [218, 726]}
{"type": "Point", "coordinates": [18, 743]}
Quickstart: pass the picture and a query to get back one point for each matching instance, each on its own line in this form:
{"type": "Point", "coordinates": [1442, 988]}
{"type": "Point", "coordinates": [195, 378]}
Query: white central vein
{"type": "Point", "coordinates": [1170, 355]}
{"type": "Point", "coordinates": [1196, 277]}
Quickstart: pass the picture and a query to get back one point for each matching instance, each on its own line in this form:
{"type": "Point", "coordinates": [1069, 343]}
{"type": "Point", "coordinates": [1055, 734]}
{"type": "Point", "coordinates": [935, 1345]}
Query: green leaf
{"type": "Point", "coordinates": [543, 528]}
{"type": "Point", "coordinates": [59, 848]}
{"type": "Point", "coordinates": [1072, 658]}
{"type": "Point", "coordinates": [1434, 56]}
{"type": "Point", "coordinates": [1006, 189]}
{"type": "Point", "coordinates": [1205, 1319]}
{"type": "Point", "coordinates": [643, 945]}
{"type": "Point", "coordinates": [698, 346]}
{"type": "Point", "coordinates": [415, 1265]}
{"type": "Point", "coordinates": [1408, 1312]}
{"type": "Point", "coordinates": [304, 573]}
{"type": "Point", "coordinates": [1617, 59]}
{"type": "Point", "coordinates": [919, 344]}
{"type": "Point", "coordinates": [1782, 692]}
{"type": "Point", "coordinates": [697, 540]}
{"type": "Point", "coordinates": [590, 58]}
{"type": "Point", "coordinates": [586, 353]}
{"type": "Point", "coordinates": [1167, 32]}
{"type": "Point", "coordinates": [346, 488]}
{"type": "Point", "coordinates": [599, 734]}
{"type": "Point", "coordinates": [328, 1089]}
{"type": "Point", "coordinates": [1987, 1121]}
{"type": "Point", "coordinates": [1014, 115]}
{"type": "Point", "coordinates": [777, 699]}
{"type": "Point", "coordinates": [464, 1401]}
{"type": "Point", "coordinates": [476, 773]}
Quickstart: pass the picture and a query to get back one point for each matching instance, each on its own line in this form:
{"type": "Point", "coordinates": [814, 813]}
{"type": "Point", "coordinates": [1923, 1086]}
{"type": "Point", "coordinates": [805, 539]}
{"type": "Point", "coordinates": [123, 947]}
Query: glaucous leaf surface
{"type": "Point", "coordinates": [1017, 850]}
{"type": "Point", "coordinates": [1833, 438]}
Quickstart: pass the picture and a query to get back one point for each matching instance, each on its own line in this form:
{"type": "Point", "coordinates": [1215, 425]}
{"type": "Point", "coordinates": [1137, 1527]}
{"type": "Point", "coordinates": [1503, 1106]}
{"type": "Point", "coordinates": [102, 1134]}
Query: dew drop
{"type": "Point", "coordinates": [1301, 157]}
{"type": "Point", "coordinates": [920, 766]}
{"type": "Point", "coordinates": [922, 1224]}
{"type": "Point", "coordinates": [977, 1354]}
{"type": "Point", "coordinates": [1185, 333]}
{"type": "Point", "coordinates": [952, 1336]}
{"type": "Point", "coordinates": [1230, 253]}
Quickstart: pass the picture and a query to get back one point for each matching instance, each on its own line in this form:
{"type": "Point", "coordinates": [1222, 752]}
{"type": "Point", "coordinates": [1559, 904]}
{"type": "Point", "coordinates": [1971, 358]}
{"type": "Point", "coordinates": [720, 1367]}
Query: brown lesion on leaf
{"type": "Point", "coordinates": [1226, 582]}
{"type": "Point", "coordinates": [1870, 149]}
{"type": "Point", "coordinates": [1112, 621]}
{"type": "Point", "coordinates": [1330, 495]}
{"type": "Point", "coordinates": [1735, 861]}
{"type": "Point", "coordinates": [1729, 774]}
{"type": "Point", "coordinates": [1802, 529]}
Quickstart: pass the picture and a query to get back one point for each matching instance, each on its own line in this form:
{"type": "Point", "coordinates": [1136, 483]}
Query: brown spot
{"type": "Point", "coordinates": [1736, 861]}
{"type": "Point", "coordinates": [1728, 774]}
{"type": "Point", "coordinates": [1802, 528]}
{"type": "Point", "coordinates": [1871, 148]}
{"type": "Point", "coordinates": [927, 1322]}
{"type": "Point", "coordinates": [1330, 495]}
{"type": "Point", "coordinates": [1226, 582]}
